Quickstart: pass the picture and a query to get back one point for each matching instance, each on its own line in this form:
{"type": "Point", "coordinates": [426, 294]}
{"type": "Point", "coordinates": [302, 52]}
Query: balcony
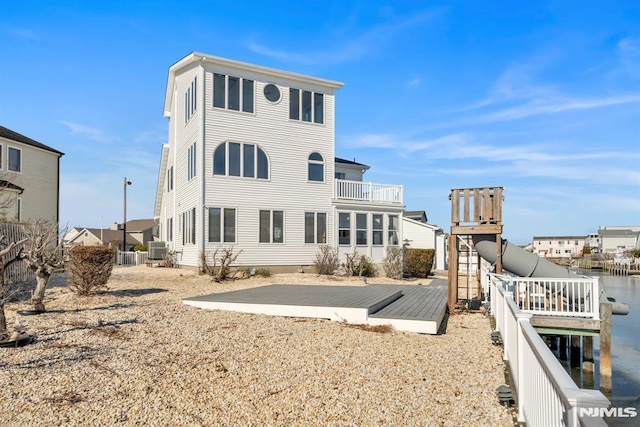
{"type": "Point", "coordinates": [368, 192]}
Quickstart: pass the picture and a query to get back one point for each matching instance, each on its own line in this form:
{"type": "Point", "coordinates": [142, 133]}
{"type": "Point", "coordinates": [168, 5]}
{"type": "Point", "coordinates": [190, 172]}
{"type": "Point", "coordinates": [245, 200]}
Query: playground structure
{"type": "Point", "coordinates": [474, 212]}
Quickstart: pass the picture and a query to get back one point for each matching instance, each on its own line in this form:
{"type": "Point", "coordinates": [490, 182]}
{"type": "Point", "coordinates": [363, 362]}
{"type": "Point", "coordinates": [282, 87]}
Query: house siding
{"type": "Point", "coordinates": [287, 144]}
{"type": "Point", "coordinates": [39, 179]}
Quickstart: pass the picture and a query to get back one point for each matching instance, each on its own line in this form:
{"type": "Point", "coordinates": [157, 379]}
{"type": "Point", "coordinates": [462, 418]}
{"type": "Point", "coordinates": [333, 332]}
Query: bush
{"type": "Point", "coordinates": [420, 261]}
{"type": "Point", "coordinates": [140, 248]}
{"type": "Point", "coordinates": [89, 269]}
{"type": "Point", "coordinates": [263, 272]}
{"type": "Point", "coordinates": [327, 261]}
{"type": "Point", "coordinates": [392, 262]}
{"type": "Point", "coordinates": [218, 264]}
{"type": "Point", "coordinates": [359, 265]}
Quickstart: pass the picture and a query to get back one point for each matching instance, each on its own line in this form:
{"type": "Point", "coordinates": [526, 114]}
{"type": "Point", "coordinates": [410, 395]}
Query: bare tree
{"type": "Point", "coordinates": [43, 255]}
{"type": "Point", "coordinates": [5, 293]}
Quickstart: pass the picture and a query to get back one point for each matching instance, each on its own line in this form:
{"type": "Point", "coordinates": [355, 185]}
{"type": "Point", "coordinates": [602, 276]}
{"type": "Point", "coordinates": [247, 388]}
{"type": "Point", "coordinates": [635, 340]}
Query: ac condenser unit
{"type": "Point", "coordinates": [157, 250]}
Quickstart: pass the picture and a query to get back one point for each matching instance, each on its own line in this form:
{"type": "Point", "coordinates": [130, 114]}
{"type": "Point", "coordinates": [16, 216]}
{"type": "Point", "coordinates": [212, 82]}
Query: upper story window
{"type": "Point", "coordinates": [15, 159]}
{"type": "Point", "coordinates": [306, 106]}
{"type": "Point", "coordinates": [191, 162]}
{"type": "Point", "coordinates": [240, 159]}
{"type": "Point", "coordinates": [190, 100]}
{"type": "Point", "coordinates": [316, 167]}
{"type": "Point", "coordinates": [170, 179]}
{"type": "Point", "coordinates": [233, 93]}
{"type": "Point", "coordinates": [340, 175]}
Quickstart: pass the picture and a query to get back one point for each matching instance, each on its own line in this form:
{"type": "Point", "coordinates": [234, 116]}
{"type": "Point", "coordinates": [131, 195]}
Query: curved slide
{"type": "Point", "coordinates": [527, 264]}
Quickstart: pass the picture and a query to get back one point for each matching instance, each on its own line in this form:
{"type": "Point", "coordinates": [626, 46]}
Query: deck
{"type": "Point", "coordinates": [411, 308]}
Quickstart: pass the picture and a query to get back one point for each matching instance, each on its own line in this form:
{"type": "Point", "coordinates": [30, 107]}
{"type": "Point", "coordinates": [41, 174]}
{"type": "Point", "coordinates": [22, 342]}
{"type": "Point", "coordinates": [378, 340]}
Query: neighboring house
{"type": "Point", "coordinates": [593, 243]}
{"type": "Point", "coordinates": [420, 235]}
{"type": "Point", "coordinates": [71, 234]}
{"type": "Point", "coordinates": [617, 239]}
{"type": "Point", "coordinates": [558, 246]}
{"type": "Point", "coordinates": [139, 231]}
{"type": "Point", "coordinates": [29, 178]}
{"type": "Point", "coordinates": [420, 216]}
{"type": "Point", "coordinates": [250, 164]}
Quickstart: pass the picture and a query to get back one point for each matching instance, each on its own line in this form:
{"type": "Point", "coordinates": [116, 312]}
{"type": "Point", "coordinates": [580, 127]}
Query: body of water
{"type": "Point", "coordinates": [625, 349]}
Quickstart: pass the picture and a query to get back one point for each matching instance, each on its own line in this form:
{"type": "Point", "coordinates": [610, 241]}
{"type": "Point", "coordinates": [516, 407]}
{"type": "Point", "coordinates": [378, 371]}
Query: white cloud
{"type": "Point", "coordinates": [349, 47]}
{"type": "Point", "coordinates": [92, 133]}
{"type": "Point", "coordinates": [25, 33]}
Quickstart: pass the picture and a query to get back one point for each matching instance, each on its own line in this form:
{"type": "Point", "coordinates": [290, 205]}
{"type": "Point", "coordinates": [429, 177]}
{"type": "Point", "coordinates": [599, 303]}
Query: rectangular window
{"type": "Point", "coordinates": [170, 229]}
{"type": "Point", "coordinates": [1, 151]}
{"type": "Point", "coordinates": [170, 179]}
{"type": "Point", "coordinates": [393, 230]}
{"type": "Point", "coordinates": [19, 210]}
{"type": "Point", "coordinates": [377, 233]}
{"type": "Point", "coordinates": [247, 96]}
{"type": "Point", "coordinates": [190, 100]}
{"type": "Point", "coordinates": [306, 106]}
{"type": "Point", "coordinates": [233, 93]}
{"type": "Point", "coordinates": [234, 159]}
{"type": "Point", "coordinates": [15, 159]}
{"type": "Point", "coordinates": [344, 228]}
{"type": "Point", "coordinates": [191, 161]}
{"type": "Point", "coordinates": [361, 229]}
{"type": "Point", "coordinates": [315, 227]}
{"type": "Point", "coordinates": [222, 224]}
{"type": "Point", "coordinates": [189, 227]}
{"type": "Point", "coordinates": [340, 175]}
{"type": "Point", "coordinates": [271, 226]}
{"type": "Point", "coordinates": [318, 108]}
{"type": "Point", "coordinates": [294, 104]}
{"type": "Point", "coordinates": [219, 83]}
{"type": "Point", "coordinates": [248, 160]}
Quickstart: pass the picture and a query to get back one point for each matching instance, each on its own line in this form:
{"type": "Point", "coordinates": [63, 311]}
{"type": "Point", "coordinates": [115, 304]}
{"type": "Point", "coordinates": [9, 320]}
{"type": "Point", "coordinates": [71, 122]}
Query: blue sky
{"type": "Point", "coordinates": [542, 99]}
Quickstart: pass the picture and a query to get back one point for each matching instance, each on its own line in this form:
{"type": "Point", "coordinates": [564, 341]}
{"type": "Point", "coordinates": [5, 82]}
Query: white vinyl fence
{"type": "Point", "coordinates": [547, 396]}
{"type": "Point", "coordinates": [131, 258]}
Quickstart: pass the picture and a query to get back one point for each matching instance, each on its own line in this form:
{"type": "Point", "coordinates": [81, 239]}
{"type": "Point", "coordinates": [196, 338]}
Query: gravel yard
{"type": "Point", "coordinates": [135, 355]}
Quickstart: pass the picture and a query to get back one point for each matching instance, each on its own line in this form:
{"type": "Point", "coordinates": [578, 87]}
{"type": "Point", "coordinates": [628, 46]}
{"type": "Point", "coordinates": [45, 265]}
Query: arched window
{"type": "Point", "coordinates": [240, 159]}
{"type": "Point", "coordinates": [316, 167]}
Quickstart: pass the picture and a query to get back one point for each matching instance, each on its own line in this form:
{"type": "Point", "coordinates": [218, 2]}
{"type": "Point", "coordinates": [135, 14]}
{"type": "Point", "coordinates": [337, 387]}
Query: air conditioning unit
{"type": "Point", "coordinates": [157, 250]}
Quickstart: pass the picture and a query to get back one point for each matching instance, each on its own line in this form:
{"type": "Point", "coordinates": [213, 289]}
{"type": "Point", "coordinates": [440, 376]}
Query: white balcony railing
{"type": "Point", "coordinates": [547, 396]}
{"type": "Point", "coordinates": [368, 191]}
{"type": "Point", "coordinates": [579, 297]}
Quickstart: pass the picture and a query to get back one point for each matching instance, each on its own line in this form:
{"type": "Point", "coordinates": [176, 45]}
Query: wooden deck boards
{"type": "Point", "coordinates": [413, 308]}
{"type": "Point", "coordinates": [309, 295]}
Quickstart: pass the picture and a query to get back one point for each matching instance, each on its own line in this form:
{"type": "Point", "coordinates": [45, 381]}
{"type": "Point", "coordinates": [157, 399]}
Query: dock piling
{"type": "Point", "coordinates": [606, 384]}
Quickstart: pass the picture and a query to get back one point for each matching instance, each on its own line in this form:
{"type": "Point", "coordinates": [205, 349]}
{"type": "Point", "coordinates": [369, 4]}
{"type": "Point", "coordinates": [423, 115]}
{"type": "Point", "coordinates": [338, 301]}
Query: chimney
{"type": "Point", "coordinates": [114, 226]}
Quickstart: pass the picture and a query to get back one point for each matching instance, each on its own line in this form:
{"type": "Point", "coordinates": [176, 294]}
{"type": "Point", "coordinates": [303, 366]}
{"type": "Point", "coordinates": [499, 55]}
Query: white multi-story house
{"type": "Point", "coordinates": [558, 246]}
{"type": "Point", "coordinates": [617, 239]}
{"type": "Point", "coordinates": [250, 164]}
{"type": "Point", "coordinates": [29, 178]}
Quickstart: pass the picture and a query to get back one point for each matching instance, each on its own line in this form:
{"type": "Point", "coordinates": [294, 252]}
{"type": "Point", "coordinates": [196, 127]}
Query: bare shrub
{"type": "Point", "coordinates": [392, 262]}
{"type": "Point", "coordinates": [6, 259]}
{"type": "Point", "coordinates": [327, 261]}
{"type": "Point", "coordinates": [89, 269]}
{"type": "Point", "coordinates": [43, 254]}
{"type": "Point", "coordinates": [218, 264]}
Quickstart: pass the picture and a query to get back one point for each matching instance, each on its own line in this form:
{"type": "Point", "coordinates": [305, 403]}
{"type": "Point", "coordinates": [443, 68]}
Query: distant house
{"type": "Point", "coordinates": [139, 231]}
{"type": "Point", "coordinates": [250, 164]}
{"type": "Point", "coordinates": [558, 246]}
{"type": "Point", "coordinates": [29, 178]}
{"type": "Point", "coordinates": [418, 234]}
{"type": "Point", "coordinates": [617, 239]}
{"type": "Point", "coordinates": [420, 216]}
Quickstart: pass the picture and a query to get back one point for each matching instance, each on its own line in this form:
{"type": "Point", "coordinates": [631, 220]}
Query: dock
{"type": "Point", "coordinates": [409, 308]}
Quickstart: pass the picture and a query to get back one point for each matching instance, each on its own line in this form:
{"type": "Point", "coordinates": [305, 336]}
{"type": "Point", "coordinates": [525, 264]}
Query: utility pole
{"type": "Point", "coordinates": [124, 224]}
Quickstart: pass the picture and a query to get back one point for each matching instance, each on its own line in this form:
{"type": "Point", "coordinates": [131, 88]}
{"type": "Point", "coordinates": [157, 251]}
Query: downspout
{"type": "Point", "coordinates": [58, 198]}
{"type": "Point", "coordinates": [202, 151]}
{"type": "Point", "coordinates": [175, 168]}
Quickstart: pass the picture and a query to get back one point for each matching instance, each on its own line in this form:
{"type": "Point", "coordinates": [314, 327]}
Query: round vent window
{"type": "Point", "coordinates": [272, 93]}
